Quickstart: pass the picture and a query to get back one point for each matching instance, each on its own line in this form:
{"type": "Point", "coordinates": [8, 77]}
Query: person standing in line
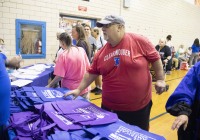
{"type": "Point", "coordinates": [70, 66]}
{"type": "Point", "coordinates": [124, 65]}
{"type": "Point", "coordinates": [169, 41]}
{"type": "Point", "coordinates": [91, 39]}
{"type": "Point", "coordinates": [170, 45]}
{"type": "Point", "coordinates": [184, 103]}
{"type": "Point", "coordinates": [60, 50]}
{"type": "Point", "coordinates": [99, 39]}
{"type": "Point", "coordinates": [78, 34]}
{"type": "Point", "coordinates": [195, 52]}
{"type": "Point", "coordinates": [100, 43]}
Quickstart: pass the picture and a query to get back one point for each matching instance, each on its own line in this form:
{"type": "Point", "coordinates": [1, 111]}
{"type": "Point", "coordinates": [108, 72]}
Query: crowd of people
{"type": "Point", "coordinates": [91, 40]}
{"type": "Point", "coordinates": [122, 61]}
{"type": "Point", "coordinates": [117, 61]}
{"type": "Point", "coordinates": [183, 56]}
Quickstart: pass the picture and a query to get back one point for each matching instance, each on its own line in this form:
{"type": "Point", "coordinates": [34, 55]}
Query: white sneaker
{"type": "Point", "coordinates": [168, 72]}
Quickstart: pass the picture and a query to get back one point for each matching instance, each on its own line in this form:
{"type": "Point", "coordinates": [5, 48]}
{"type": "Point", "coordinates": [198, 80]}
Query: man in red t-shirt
{"type": "Point", "coordinates": [124, 65]}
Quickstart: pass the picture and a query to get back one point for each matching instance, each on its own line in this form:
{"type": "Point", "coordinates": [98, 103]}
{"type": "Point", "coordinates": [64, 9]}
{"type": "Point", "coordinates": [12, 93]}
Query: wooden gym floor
{"type": "Point", "coordinates": [160, 121]}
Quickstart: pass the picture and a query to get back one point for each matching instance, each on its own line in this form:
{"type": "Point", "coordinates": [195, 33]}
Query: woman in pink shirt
{"type": "Point", "coordinates": [71, 65]}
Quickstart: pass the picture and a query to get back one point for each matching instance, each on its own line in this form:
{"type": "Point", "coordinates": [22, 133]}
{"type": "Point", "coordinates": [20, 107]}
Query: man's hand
{"type": "Point", "coordinates": [165, 61]}
{"type": "Point", "coordinates": [180, 120]}
{"type": "Point", "coordinates": [48, 86]}
{"type": "Point", "coordinates": [160, 86]}
{"type": "Point", "coordinates": [14, 62]}
{"type": "Point", "coordinates": [75, 93]}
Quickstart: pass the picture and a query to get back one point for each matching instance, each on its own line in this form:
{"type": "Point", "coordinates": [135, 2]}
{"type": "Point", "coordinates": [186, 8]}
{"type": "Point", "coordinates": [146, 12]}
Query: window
{"type": "Point", "coordinates": [30, 39]}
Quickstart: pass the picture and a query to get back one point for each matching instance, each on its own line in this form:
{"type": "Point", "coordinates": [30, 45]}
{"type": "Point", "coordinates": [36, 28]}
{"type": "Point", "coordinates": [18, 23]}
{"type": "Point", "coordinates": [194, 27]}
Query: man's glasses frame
{"type": "Point", "coordinates": [109, 25]}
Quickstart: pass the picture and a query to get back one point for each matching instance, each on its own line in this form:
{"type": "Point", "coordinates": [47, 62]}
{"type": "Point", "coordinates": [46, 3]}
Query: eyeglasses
{"type": "Point", "coordinates": [108, 25]}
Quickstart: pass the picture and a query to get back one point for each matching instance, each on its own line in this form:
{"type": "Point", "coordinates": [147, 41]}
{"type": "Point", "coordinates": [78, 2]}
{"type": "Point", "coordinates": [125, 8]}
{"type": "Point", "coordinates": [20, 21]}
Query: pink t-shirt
{"type": "Point", "coordinates": [71, 66]}
{"type": "Point", "coordinates": [125, 73]}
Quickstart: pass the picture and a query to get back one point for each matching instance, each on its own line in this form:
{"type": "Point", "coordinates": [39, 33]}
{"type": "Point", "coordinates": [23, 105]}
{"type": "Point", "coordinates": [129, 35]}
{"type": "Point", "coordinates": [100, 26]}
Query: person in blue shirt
{"type": "Point", "coordinates": [185, 104]}
{"type": "Point", "coordinates": [5, 89]}
{"type": "Point", "coordinates": [195, 52]}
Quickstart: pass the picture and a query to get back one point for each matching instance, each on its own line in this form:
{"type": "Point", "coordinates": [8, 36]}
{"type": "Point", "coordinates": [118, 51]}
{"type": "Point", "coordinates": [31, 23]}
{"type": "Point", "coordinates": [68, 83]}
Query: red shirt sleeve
{"type": "Point", "coordinates": [148, 49]}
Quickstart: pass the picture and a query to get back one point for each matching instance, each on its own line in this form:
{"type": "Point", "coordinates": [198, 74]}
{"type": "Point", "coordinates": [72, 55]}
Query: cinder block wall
{"type": "Point", "coordinates": [152, 18]}
{"type": "Point", "coordinates": [158, 18]}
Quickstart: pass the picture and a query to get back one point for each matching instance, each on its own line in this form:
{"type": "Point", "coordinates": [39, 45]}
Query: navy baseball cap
{"type": "Point", "coordinates": [110, 19]}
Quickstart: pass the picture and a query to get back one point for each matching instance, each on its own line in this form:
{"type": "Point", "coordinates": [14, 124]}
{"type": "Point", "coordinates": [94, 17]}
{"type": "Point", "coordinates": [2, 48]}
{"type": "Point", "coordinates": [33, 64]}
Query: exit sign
{"type": "Point", "coordinates": [82, 8]}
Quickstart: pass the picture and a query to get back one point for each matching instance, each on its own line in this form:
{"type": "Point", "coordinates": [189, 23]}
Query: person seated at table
{"type": "Point", "coordinates": [14, 62]}
{"type": "Point", "coordinates": [175, 61]}
{"type": "Point", "coordinates": [70, 66]}
{"type": "Point", "coordinates": [188, 53]}
{"type": "Point", "coordinates": [181, 54]}
{"type": "Point", "coordinates": [5, 89]}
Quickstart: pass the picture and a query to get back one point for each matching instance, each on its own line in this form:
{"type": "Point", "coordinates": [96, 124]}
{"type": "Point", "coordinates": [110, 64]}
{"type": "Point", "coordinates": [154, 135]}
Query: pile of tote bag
{"type": "Point", "coordinates": [24, 99]}
{"type": "Point", "coordinates": [44, 114]}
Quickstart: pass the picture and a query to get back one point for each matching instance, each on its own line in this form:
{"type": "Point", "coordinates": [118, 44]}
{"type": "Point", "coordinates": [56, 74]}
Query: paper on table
{"type": "Point", "coordinates": [38, 67]}
{"type": "Point", "coordinates": [48, 66]}
{"type": "Point", "coordinates": [24, 76]}
{"type": "Point", "coordinates": [21, 83]}
{"type": "Point", "coordinates": [29, 71]}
